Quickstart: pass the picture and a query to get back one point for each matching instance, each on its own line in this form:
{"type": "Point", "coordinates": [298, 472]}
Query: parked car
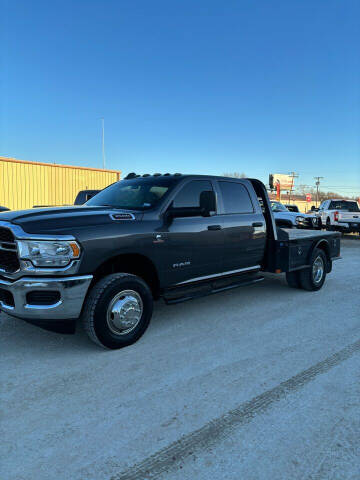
{"type": "Point", "coordinates": [292, 208]}
{"type": "Point", "coordinates": [340, 215]}
{"type": "Point", "coordinates": [174, 237]}
{"type": "Point", "coordinates": [4, 209]}
{"type": "Point", "coordinates": [286, 219]}
{"type": "Point", "coordinates": [84, 195]}
{"type": "Point", "coordinates": [313, 210]}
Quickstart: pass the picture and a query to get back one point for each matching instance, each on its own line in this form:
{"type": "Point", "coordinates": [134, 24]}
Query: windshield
{"type": "Point", "coordinates": [278, 207]}
{"type": "Point", "coordinates": [134, 194]}
{"type": "Point", "coordinates": [344, 205]}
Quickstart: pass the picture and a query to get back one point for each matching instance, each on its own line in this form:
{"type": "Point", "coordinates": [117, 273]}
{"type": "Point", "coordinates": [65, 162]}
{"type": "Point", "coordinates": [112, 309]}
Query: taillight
{"type": "Point", "coordinates": [336, 216]}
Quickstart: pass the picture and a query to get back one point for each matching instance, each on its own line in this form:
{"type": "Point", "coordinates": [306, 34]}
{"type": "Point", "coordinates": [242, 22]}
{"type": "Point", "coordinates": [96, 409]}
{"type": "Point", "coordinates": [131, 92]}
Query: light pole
{"type": "Point", "coordinates": [293, 176]}
{"type": "Point", "coordinates": [103, 142]}
{"type": "Point", "coordinates": [317, 183]}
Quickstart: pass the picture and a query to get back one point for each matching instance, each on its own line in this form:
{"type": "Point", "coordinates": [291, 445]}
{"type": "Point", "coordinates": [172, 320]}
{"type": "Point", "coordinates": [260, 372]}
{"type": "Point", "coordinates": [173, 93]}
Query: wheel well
{"type": "Point", "coordinates": [324, 246]}
{"type": "Point", "coordinates": [136, 264]}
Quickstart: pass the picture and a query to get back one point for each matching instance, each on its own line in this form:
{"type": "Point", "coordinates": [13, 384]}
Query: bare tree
{"type": "Point", "coordinates": [301, 189]}
{"type": "Point", "coordinates": [235, 175]}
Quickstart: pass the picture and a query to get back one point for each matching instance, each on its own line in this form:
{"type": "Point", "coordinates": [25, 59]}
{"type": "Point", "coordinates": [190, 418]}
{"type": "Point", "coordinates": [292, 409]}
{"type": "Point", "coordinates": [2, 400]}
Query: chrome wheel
{"type": "Point", "coordinates": [124, 312]}
{"type": "Point", "coordinates": [318, 269]}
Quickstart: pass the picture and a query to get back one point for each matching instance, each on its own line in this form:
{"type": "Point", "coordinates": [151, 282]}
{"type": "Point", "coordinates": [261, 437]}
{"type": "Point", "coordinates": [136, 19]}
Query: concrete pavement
{"type": "Point", "coordinates": [73, 411]}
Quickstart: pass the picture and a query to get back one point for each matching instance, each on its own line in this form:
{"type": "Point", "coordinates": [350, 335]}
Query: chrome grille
{"type": "Point", "coordinates": [9, 261]}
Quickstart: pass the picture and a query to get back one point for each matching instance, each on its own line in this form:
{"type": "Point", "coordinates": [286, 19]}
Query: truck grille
{"type": "Point", "coordinates": [6, 235]}
{"type": "Point", "coordinates": [9, 261]}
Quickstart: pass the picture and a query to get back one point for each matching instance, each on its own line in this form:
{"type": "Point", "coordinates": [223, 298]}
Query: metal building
{"type": "Point", "coordinates": [25, 184]}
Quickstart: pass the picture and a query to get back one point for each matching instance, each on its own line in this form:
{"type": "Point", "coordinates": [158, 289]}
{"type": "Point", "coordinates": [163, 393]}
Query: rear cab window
{"type": "Point", "coordinates": [235, 197]}
{"type": "Point", "coordinates": [346, 205]}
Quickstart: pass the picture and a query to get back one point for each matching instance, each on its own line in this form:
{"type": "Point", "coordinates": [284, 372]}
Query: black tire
{"type": "Point", "coordinates": [307, 276]}
{"type": "Point", "coordinates": [98, 323]}
{"type": "Point", "coordinates": [293, 279]}
{"type": "Point", "coordinates": [329, 227]}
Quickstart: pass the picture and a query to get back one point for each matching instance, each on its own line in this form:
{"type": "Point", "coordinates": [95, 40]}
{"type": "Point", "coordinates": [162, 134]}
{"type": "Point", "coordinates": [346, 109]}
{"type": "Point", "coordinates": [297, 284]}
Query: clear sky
{"type": "Point", "coordinates": [254, 86]}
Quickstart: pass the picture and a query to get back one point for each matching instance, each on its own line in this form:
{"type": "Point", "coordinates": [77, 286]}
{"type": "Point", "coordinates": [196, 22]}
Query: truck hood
{"type": "Point", "coordinates": [58, 219]}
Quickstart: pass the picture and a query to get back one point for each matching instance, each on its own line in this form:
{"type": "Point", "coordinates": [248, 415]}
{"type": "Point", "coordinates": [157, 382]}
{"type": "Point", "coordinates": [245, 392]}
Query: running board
{"type": "Point", "coordinates": [182, 295]}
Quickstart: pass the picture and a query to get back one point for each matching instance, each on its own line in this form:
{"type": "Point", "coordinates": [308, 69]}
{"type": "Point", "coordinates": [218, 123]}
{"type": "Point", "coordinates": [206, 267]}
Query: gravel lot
{"type": "Point", "coordinates": [261, 382]}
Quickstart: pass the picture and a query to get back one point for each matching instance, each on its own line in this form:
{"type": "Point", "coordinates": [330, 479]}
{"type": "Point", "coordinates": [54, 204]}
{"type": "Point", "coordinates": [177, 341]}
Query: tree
{"type": "Point", "coordinates": [235, 175]}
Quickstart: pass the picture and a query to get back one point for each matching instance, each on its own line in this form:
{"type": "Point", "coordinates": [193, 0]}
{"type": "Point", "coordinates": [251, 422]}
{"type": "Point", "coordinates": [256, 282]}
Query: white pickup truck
{"type": "Point", "coordinates": [340, 215]}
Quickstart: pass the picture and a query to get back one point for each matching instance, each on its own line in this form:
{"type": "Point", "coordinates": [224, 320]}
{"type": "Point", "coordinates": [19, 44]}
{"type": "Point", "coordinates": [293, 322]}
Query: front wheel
{"type": "Point", "coordinates": [118, 310]}
{"type": "Point", "coordinates": [313, 278]}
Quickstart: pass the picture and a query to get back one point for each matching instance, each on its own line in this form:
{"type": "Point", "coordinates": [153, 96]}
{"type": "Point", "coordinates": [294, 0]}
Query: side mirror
{"type": "Point", "coordinates": [207, 205]}
{"type": "Point", "coordinates": [183, 212]}
{"type": "Point", "coordinates": [207, 202]}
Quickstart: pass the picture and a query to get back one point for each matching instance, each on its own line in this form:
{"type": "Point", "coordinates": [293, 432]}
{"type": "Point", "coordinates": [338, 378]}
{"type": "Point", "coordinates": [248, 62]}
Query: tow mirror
{"type": "Point", "coordinates": [207, 202]}
{"type": "Point", "coordinates": [183, 212]}
{"type": "Point", "coordinates": [207, 205]}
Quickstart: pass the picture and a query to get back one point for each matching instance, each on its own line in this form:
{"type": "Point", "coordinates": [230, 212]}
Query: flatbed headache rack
{"type": "Point", "coordinates": [289, 250]}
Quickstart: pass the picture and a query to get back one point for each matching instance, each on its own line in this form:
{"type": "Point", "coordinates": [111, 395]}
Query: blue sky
{"type": "Point", "coordinates": [191, 86]}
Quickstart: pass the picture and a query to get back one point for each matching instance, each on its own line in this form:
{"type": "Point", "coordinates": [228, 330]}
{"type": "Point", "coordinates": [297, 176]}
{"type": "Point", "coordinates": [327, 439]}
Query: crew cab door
{"type": "Point", "coordinates": [243, 224]}
{"type": "Point", "coordinates": [192, 246]}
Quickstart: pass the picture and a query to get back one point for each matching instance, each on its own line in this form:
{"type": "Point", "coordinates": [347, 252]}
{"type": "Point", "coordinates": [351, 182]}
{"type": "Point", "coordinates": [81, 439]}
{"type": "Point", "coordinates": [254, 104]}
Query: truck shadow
{"type": "Point", "coordinates": [21, 336]}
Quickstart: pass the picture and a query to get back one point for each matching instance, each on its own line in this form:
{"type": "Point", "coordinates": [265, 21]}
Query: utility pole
{"type": "Point", "coordinates": [317, 183]}
{"type": "Point", "coordinates": [293, 176]}
{"type": "Point", "coordinates": [103, 142]}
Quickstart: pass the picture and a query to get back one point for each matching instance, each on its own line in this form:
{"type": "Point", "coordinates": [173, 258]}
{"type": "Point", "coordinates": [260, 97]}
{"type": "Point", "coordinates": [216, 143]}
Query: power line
{"type": "Point", "coordinates": [326, 187]}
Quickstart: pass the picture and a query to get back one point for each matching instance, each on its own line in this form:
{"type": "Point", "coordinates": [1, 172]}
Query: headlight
{"type": "Point", "coordinates": [48, 253]}
{"type": "Point", "coordinates": [300, 219]}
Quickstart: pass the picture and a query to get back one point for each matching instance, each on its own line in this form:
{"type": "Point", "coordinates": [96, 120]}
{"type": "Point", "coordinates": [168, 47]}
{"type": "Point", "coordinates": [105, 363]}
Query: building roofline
{"type": "Point", "coordinates": [76, 167]}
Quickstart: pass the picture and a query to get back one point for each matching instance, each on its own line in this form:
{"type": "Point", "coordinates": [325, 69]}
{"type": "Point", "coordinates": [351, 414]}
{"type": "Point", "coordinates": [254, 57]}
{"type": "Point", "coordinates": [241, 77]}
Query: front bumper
{"type": "Point", "coordinates": [72, 292]}
{"type": "Point", "coordinates": [312, 223]}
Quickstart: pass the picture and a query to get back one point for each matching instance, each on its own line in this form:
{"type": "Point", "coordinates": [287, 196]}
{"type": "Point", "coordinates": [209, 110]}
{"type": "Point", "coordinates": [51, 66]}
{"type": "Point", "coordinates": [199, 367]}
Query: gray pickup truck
{"type": "Point", "coordinates": [144, 238]}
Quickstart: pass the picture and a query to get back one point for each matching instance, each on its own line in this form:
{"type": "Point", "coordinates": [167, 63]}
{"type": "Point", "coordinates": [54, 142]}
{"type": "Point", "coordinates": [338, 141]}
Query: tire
{"type": "Point", "coordinates": [110, 300]}
{"type": "Point", "coordinates": [312, 279]}
{"type": "Point", "coordinates": [329, 227]}
{"type": "Point", "coordinates": [293, 279]}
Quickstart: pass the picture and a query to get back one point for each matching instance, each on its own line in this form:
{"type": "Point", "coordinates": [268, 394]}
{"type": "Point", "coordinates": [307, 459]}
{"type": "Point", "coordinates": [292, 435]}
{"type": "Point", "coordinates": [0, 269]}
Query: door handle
{"type": "Point", "coordinates": [214, 227]}
{"type": "Point", "coordinates": [257, 224]}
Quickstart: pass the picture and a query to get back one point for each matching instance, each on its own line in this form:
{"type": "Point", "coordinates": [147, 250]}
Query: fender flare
{"type": "Point", "coordinates": [323, 245]}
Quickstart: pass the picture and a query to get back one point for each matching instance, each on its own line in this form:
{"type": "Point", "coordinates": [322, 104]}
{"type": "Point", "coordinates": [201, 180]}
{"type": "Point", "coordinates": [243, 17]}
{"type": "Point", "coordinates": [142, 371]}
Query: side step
{"type": "Point", "coordinates": [181, 294]}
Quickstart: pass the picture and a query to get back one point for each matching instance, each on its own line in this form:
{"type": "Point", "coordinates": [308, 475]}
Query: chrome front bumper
{"type": "Point", "coordinates": [72, 295]}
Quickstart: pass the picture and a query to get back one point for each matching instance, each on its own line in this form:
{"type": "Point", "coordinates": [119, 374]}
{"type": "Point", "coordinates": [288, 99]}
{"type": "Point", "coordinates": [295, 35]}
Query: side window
{"type": "Point", "coordinates": [189, 195]}
{"type": "Point", "coordinates": [236, 198]}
